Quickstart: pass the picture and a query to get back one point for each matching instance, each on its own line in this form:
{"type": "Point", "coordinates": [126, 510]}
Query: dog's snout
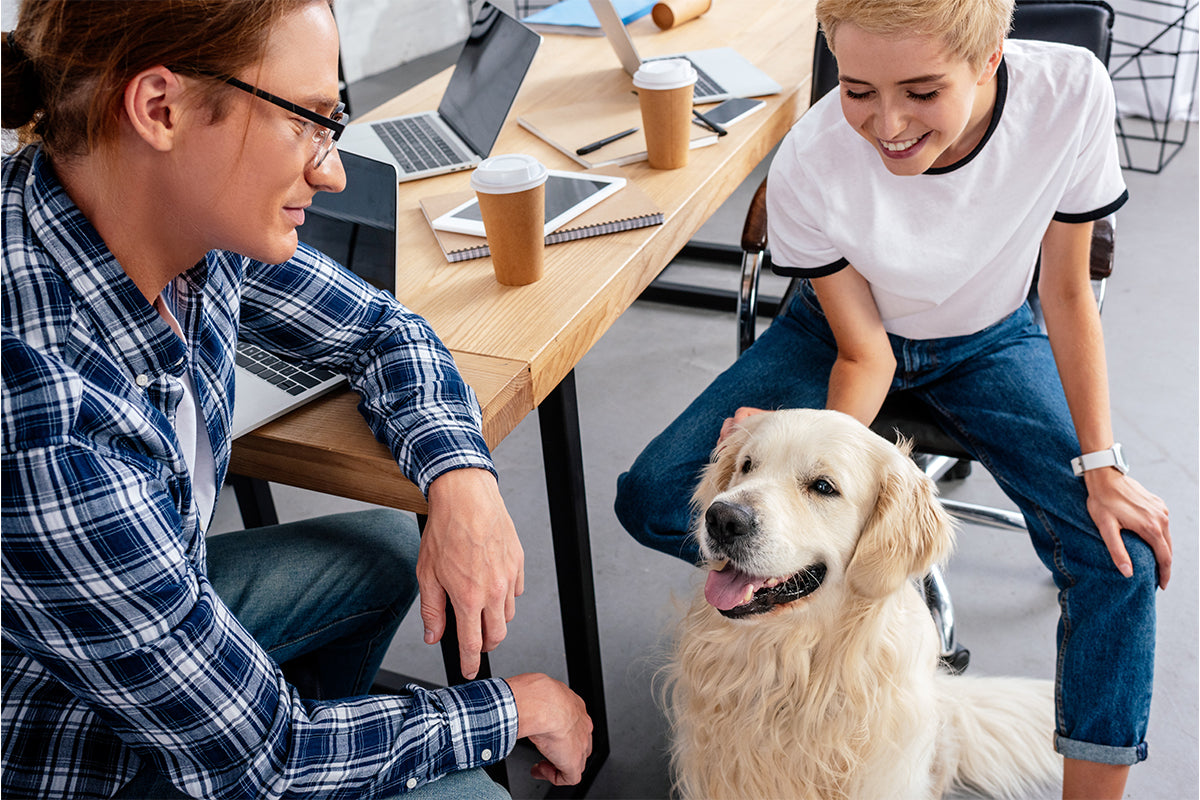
{"type": "Point", "coordinates": [726, 522]}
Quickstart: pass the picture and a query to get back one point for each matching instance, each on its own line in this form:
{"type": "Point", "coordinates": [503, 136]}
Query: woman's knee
{"type": "Point", "coordinates": [654, 517]}
{"type": "Point", "coordinates": [1144, 563]}
{"type": "Point", "coordinates": [631, 507]}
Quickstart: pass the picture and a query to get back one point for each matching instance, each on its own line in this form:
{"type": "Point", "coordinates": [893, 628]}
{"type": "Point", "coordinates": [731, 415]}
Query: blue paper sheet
{"type": "Point", "coordinates": [578, 13]}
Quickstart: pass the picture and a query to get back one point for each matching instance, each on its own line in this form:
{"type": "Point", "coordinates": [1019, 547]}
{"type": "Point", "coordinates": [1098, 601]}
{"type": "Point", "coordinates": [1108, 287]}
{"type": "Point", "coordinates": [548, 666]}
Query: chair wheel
{"type": "Point", "coordinates": [956, 663]}
{"type": "Point", "coordinates": [958, 472]}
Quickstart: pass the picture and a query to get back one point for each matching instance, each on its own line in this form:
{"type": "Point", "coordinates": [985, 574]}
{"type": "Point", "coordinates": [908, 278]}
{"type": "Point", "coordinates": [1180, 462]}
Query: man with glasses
{"type": "Point", "coordinates": [149, 226]}
{"type": "Point", "coordinates": [325, 130]}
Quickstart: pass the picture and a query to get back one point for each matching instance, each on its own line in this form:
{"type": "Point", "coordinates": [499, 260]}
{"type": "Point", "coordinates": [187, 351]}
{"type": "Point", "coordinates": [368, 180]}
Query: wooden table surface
{"type": "Point", "coordinates": [515, 344]}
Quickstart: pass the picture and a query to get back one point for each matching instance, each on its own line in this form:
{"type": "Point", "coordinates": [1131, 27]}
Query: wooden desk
{"type": "Point", "coordinates": [587, 285]}
{"type": "Point", "coordinates": [518, 346]}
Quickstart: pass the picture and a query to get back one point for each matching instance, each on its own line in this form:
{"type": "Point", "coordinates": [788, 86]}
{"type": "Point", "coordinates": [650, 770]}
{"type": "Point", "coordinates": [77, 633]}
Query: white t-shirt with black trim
{"type": "Point", "coordinates": [952, 251]}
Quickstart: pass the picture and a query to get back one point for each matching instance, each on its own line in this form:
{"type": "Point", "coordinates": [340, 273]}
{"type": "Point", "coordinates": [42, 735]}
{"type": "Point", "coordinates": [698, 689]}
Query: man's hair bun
{"type": "Point", "coordinates": [21, 91]}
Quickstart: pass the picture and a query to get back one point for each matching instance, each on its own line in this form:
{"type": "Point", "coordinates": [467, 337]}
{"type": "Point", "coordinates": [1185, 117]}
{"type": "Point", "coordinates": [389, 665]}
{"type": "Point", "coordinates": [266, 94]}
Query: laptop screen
{"type": "Point", "coordinates": [487, 76]}
{"type": "Point", "coordinates": [357, 226]}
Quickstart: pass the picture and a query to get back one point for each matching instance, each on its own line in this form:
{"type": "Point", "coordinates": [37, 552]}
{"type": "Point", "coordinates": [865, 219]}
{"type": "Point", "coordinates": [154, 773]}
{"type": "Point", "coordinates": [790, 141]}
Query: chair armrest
{"type": "Point", "coordinates": [1103, 248]}
{"type": "Point", "coordinates": [754, 231]}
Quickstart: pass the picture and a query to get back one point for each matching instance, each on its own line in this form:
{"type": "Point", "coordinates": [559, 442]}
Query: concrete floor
{"type": "Point", "coordinates": [657, 357]}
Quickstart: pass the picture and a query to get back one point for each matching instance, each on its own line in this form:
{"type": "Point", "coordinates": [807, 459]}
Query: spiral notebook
{"type": "Point", "coordinates": [628, 209]}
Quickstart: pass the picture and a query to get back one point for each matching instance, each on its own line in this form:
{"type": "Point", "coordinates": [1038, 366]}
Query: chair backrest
{"type": "Point", "coordinates": [1085, 23]}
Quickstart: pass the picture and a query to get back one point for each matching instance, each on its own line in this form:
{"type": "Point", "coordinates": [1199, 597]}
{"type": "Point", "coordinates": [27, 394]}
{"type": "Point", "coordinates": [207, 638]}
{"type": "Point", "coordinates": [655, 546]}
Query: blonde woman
{"type": "Point", "coordinates": [914, 201]}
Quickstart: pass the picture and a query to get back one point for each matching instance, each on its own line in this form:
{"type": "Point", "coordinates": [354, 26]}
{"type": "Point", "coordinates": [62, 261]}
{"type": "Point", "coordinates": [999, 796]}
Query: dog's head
{"type": "Point", "coordinates": [795, 503]}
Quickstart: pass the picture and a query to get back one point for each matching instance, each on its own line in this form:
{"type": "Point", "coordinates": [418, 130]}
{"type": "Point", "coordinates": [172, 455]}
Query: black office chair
{"type": "Point", "coordinates": [1086, 23]}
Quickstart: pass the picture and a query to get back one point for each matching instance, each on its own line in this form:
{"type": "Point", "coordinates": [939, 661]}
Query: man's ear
{"type": "Point", "coordinates": [152, 106]}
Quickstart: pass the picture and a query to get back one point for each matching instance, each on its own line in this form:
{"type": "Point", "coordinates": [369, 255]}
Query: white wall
{"type": "Point", "coordinates": [380, 34]}
{"type": "Point", "coordinates": [376, 34]}
{"type": "Point", "coordinates": [1147, 23]}
{"type": "Point", "coordinates": [8, 14]}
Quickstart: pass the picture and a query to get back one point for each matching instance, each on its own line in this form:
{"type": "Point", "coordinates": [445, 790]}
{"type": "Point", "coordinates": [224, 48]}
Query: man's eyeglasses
{"type": "Point", "coordinates": [329, 130]}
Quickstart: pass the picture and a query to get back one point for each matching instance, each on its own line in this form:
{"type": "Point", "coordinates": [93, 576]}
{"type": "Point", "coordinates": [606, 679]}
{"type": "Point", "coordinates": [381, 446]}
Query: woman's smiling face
{"type": "Point", "coordinates": [918, 105]}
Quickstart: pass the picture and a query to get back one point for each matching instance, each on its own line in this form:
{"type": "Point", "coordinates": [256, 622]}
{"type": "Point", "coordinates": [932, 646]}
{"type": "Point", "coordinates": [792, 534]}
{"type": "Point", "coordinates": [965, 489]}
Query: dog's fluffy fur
{"type": "Point", "coordinates": [836, 694]}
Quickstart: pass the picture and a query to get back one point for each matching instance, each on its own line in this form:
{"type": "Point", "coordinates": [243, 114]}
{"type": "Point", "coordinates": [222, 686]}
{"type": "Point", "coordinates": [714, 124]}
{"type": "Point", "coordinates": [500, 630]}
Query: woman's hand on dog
{"type": "Point", "coordinates": [556, 721]}
{"type": "Point", "coordinates": [737, 418]}
{"type": "Point", "coordinates": [1117, 502]}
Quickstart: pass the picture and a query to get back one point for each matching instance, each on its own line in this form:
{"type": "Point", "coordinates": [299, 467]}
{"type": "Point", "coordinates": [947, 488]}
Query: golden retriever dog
{"type": "Point", "coordinates": [807, 667]}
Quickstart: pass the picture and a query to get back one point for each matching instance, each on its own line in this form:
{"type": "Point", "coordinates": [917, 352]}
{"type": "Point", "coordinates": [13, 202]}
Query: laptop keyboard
{"type": "Point", "coordinates": [705, 85]}
{"type": "Point", "coordinates": [416, 144]}
{"type": "Point", "coordinates": [291, 378]}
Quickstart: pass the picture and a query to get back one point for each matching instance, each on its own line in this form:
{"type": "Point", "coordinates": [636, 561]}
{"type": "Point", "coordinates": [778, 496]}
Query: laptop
{"type": "Point", "coordinates": [460, 134]}
{"type": "Point", "coordinates": [721, 72]}
{"type": "Point", "coordinates": [357, 228]}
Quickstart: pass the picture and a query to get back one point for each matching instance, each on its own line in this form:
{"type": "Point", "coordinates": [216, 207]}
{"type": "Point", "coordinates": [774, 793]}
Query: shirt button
{"type": "Point", "coordinates": [412, 783]}
{"type": "Point", "coordinates": [486, 755]}
{"type": "Point", "coordinates": [142, 380]}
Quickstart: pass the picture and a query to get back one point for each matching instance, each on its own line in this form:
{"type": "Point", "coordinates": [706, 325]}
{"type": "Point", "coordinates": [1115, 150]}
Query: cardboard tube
{"type": "Point", "coordinates": [669, 13]}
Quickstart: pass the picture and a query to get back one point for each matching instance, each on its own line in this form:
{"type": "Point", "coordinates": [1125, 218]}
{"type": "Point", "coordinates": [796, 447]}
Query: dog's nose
{"type": "Point", "coordinates": [725, 522]}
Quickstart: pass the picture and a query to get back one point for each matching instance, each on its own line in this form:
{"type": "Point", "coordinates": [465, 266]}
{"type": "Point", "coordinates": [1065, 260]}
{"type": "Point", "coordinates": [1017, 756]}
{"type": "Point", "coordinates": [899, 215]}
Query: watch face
{"type": "Point", "coordinates": [1121, 464]}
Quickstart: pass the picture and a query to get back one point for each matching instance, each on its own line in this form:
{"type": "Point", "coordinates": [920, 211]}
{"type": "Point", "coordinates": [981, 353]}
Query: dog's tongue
{"type": "Point", "coordinates": [726, 589]}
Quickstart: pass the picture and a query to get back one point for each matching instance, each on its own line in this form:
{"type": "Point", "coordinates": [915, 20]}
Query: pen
{"type": "Point", "coordinates": [712, 126]}
{"type": "Point", "coordinates": [596, 145]}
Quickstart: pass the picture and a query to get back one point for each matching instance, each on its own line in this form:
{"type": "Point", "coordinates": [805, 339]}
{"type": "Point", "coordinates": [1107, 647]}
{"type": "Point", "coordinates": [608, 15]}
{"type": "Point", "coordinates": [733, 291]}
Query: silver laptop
{"type": "Point", "coordinates": [722, 72]}
{"type": "Point", "coordinates": [357, 228]}
{"type": "Point", "coordinates": [460, 134]}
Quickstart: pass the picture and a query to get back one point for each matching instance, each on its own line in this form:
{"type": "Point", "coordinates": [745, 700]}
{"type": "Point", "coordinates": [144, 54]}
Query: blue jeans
{"type": "Point", "coordinates": [997, 392]}
{"type": "Point", "coordinates": [323, 597]}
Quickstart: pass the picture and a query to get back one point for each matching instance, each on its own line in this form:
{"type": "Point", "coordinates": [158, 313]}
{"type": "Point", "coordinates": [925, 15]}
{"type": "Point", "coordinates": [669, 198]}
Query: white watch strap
{"type": "Point", "coordinates": [1112, 457]}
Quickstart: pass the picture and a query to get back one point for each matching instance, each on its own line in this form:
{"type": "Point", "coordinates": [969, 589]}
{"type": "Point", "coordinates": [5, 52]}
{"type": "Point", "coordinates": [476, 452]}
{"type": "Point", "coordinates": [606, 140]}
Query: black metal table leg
{"type": "Point", "coordinates": [254, 501]}
{"type": "Point", "coordinates": [562, 454]}
{"type": "Point", "coordinates": [453, 663]}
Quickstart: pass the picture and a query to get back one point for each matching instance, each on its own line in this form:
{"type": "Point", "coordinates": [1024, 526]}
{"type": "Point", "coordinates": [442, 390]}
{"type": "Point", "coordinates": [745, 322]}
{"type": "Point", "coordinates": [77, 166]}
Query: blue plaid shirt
{"type": "Point", "coordinates": [115, 647]}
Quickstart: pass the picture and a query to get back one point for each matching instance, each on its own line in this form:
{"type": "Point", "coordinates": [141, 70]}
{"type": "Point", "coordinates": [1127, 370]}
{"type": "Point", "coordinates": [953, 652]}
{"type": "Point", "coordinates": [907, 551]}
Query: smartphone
{"type": "Point", "coordinates": [732, 110]}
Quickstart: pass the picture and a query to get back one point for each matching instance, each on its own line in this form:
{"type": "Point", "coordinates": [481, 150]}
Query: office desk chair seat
{"type": "Point", "coordinates": [1085, 23]}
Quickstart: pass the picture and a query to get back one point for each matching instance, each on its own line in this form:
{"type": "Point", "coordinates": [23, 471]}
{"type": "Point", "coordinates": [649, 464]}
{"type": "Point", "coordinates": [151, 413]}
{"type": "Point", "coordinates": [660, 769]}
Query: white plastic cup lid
{"type": "Point", "coordinates": [668, 73]}
{"type": "Point", "coordinates": [508, 174]}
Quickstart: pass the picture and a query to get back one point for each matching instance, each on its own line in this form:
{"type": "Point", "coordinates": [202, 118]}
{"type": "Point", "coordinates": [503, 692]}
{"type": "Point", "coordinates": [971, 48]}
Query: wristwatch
{"type": "Point", "coordinates": [1112, 457]}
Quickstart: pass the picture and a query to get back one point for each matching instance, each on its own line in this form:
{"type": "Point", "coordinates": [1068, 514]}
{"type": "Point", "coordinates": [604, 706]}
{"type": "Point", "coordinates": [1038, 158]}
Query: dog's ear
{"type": "Point", "coordinates": [907, 533]}
{"type": "Point", "coordinates": [716, 475]}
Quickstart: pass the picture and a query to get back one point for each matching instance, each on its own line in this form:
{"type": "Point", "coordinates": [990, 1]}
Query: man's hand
{"type": "Point", "coordinates": [471, 553]}
{"type": "Point", "coordinates": [556, 721]}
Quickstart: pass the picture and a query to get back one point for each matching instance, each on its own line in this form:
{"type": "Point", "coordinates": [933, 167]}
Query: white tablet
{"type": "Point", "coordinates": [568, 194]}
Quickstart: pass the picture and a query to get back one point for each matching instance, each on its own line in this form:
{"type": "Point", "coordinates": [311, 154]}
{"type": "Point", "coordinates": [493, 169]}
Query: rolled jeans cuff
{"type": "Point", "coordinates": [1100, 753]}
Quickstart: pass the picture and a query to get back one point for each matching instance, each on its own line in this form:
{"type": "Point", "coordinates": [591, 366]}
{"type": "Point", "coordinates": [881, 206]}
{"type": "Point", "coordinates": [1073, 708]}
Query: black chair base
{"type": "Point", "coordinates": [955, 663]}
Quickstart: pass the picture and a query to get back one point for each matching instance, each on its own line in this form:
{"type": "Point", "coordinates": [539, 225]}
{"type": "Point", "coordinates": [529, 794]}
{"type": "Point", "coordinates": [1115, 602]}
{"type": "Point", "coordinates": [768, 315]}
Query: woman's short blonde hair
{"type": "Point", "coordinates": [970, 29]}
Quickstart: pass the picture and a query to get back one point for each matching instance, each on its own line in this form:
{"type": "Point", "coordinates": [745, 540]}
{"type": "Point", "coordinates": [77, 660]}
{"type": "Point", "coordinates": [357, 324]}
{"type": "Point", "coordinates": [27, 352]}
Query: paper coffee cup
{"type": "Point", "coordinates": [669, 13]}
{"type": "Point", "coordinates": [665, 96]}
{"type": "Point", "coordinates": [511, 190]}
